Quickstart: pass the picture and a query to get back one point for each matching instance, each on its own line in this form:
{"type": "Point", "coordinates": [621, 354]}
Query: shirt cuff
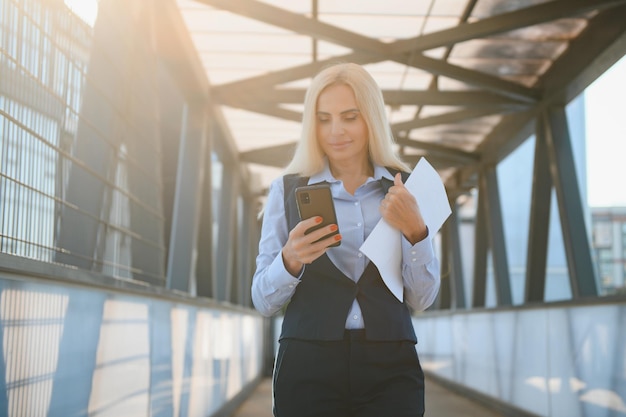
{"type": "Point", "coordinates": [419, 254]}
{"type": "Point", "coordinates": [282, 279]}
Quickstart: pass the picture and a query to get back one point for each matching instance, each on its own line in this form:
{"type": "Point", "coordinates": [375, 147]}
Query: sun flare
{"type": "Point", "coordinates": [87, 10]}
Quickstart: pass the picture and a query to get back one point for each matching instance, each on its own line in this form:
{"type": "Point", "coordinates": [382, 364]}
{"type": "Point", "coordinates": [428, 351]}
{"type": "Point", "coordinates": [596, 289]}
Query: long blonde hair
{"type": "Point", "coordinates": [308, 157]}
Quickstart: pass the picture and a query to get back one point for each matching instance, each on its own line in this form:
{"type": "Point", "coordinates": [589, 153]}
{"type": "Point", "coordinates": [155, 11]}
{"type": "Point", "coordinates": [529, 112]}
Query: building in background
{"type": "Point", "coordinates": [609, 246]}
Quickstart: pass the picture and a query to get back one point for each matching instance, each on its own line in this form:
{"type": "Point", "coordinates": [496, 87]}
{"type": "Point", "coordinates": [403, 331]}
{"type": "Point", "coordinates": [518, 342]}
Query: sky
{"type": "Point", "coordinates": [605, 102]}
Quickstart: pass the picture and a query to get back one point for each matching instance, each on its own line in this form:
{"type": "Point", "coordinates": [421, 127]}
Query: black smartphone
{"type": "Point", "coordinates": [316, 200]}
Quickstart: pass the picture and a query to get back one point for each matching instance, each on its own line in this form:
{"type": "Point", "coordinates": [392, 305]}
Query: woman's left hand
{"type": "Point", "coordinates": [400, 209]}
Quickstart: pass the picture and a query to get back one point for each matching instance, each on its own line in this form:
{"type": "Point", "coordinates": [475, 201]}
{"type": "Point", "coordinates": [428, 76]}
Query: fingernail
{"type": "Point", "coordinates": [333, 227]}
{"type": "Point", "coordinates": [337, 237]}
{"type": "Point", "coordinates": [318, 219]}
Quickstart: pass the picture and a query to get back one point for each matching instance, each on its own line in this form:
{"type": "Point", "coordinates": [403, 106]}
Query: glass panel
{"type": "Point", "coordinates": [558, 361]}
{"type": "Point", "coordinates": [605, 131]}
{"type": "Point", "coordinates": [80, 176]}
{"type": "Point", "coordinates": [558, 286]}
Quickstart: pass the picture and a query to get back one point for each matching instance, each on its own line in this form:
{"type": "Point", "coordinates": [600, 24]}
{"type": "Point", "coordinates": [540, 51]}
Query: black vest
{"type": "Point", "coordinates": [320, 305]}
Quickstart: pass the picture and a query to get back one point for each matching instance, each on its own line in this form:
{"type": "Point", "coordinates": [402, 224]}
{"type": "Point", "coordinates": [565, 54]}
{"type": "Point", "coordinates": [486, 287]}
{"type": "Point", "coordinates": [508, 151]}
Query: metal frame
{"type": "Point", "coordinates": [181, 265]}
{"type": "Point", "coordinates": [563, 171]}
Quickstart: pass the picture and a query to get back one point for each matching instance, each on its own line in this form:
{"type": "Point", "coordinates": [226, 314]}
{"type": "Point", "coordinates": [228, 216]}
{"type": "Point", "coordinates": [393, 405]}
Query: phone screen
{"type": "Point", "coordinates": [317, 200]}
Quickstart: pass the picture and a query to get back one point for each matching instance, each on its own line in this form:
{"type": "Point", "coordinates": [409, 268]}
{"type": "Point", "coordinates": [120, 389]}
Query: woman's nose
{"type": "Point", "coordinates": [336, 128]}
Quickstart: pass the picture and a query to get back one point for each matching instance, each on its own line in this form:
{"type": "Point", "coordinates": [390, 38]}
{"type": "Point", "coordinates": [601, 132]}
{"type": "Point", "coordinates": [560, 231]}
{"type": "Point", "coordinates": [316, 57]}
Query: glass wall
{"type": "Point", "coordinates": [80, 137]}
{"type": "Point", "coordinates": [91, 131]}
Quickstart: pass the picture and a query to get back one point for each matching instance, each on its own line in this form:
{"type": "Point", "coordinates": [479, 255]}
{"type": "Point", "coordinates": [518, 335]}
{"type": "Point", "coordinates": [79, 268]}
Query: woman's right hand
{"type": "Point", "coordinates": [300, 248]}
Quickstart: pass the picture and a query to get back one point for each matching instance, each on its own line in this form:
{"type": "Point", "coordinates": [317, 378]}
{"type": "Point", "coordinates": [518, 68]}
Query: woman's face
{"type": "Point", "coordinates": [341, 130]}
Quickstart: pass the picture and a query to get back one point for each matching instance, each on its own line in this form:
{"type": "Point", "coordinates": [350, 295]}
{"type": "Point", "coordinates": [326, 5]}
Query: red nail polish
{"type": "Point", "coordinates": [333, 227]}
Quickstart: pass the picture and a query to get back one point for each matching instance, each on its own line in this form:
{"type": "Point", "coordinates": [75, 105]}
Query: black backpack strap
{"type": "Point", "coordinates": [290, 183]}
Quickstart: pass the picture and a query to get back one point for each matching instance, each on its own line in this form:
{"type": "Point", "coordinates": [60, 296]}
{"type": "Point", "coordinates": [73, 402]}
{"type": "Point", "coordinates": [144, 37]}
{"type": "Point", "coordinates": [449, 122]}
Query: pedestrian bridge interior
{"type": "Point", "coordinates": [137, 142]}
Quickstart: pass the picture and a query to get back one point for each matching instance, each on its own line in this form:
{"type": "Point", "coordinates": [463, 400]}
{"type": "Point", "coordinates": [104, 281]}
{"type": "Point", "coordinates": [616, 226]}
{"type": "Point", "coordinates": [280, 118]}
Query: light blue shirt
{"type": "Point", "coordinates": [273, 285]}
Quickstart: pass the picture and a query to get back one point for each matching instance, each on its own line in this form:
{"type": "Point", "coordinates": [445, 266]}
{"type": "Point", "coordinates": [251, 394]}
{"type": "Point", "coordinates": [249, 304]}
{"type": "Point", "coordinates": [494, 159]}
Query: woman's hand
{"type": "Point", "coordinates": [300, 248]}
{"type": "Point", "coordinates": [399, 208]}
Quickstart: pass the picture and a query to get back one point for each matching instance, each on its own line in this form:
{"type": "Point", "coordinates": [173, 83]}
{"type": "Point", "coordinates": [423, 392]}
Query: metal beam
{"type": "Point", "coordinates": [222, 282]}
{"type": "Point", "coordinates": [205, 264]}
{"type": "Point", "coordinates": [575, 239]}
{"type": "Point", "coordinates": [391, 97]}
{"type": "Point", "coordinates": [454, 155]}
{"type": "Point", "coordinates": [495, 234]}
{"type": "Point", "coordinates": [503, 22]}
{"type": "Point", "coordinates": [300, 24]}
{"type": "Point", "coordinates": [273, 111]}
{"type": "Point", "coordinates": [587, 57]}
{"type": "Point", "coordinates": [446, 289]}
{"type": "Point", "coordinates": [497, 24]}
{"type": "Point", "coordinates": [434, 66]}
{"type": "Point", "coordinates": [476, 78]}
{"type": "Point", "coordinates": [457, 282]}
{"type": "Point", "coordinates": [177, 52]}
{"type": "Point", "coordinates": [186, 212]}
{"type": "Point", "coordinates": [539, 225]}
{"type": "Point", "coordinates": [446, 118]}
{"type": "Point", "coordinates": [276, 156]}
{"type": "Point", "coordinates": [563, 82]}
{"type": "Point", "coordinates": [480, 248]}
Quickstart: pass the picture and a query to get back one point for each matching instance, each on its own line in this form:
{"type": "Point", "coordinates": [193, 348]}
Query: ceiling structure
{"type": "Point", "coordinates": [464, 80]}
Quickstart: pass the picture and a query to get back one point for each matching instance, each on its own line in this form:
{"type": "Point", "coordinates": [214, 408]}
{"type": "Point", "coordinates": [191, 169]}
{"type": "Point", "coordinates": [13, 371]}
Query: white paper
{"type": "Point", "coordinates": [384, 244]}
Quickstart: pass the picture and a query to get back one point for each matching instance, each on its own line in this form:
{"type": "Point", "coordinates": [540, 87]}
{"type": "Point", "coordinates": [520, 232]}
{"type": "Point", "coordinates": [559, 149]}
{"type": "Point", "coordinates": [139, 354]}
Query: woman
{"type": "Point", "coordinates": [347, 346]}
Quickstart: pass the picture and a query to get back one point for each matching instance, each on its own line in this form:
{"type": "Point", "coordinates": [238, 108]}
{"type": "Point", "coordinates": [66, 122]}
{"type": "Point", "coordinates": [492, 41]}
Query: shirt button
{"type": "Point", "coordinates": [414, 260]}
{"type": "Point", "coordinates": [360, 255]}
{"type": "Point", "coordinates": [412, 252]}
{"type": "Point", "coordinates": [359, 224]}
{"type": "Point", "coordinates": [356, 203]}
{"type": "Point", "coordinates": [355, 317]}
{"type": "Point", "coordinates": [290, 285]}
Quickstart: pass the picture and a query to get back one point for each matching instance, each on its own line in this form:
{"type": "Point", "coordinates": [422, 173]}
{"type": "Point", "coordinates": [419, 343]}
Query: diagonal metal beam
{"type": "Point", "coordinates": [447, 118]}
{"type": "Point", "coordinates": [275, 156]}
{"type": "Point", "coordinates": [476, 78]}
{"type": "Point", "coordinates": [300, 24]}
{"type": "Point", "coordinates": [452, 154]}
{"type": "Point", "coordinates": [495, 235]}
{"type": "Point", "coordinates": [274, 111]}
{"type": "Point", "coordinates": [298, 72]}
{"type": "Point", "coordinates": [507, 21]}
{"type": "Point", "coordinates": [392, 98]}
{"type": "Point", "coordinates": [435, 66]}
{"type": "Point", "coordinates": [479, 291]}
{"type": "Point", "coordinates": [500, 23]}
{"type": "Point", "coordinates": [449, 98]}
{"type": "Point", "coordinates": [587, 57]}
{"type": "Point", "coordinates": [438, 161]}
{"type": "Point", "coordinates": [539, 224]}
{"type": "Point", "coordinates": [271, 109]}
{"type": "Point", "coordinates": [575, 239]}
{"type": "Point", "coordinates": [568, 77]}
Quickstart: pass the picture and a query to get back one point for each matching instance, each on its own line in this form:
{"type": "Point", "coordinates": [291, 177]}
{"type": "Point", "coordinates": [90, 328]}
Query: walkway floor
{"type": "Point", "coordinates": [440, 402]}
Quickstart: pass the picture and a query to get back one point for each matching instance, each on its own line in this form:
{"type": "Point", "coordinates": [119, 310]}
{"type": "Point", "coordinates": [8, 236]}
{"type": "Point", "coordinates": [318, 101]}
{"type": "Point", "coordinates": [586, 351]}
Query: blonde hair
{"type": "Point", "coordinates": [308, 158]}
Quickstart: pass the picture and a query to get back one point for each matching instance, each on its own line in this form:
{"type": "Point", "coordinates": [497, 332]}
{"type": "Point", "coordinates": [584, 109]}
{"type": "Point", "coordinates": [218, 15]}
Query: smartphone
{"type": "Point", "coordinates": [316, 200]}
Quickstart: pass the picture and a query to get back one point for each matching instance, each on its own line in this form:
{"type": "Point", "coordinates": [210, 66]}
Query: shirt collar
{"type": "Point", "coordinates": [325, 174]}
